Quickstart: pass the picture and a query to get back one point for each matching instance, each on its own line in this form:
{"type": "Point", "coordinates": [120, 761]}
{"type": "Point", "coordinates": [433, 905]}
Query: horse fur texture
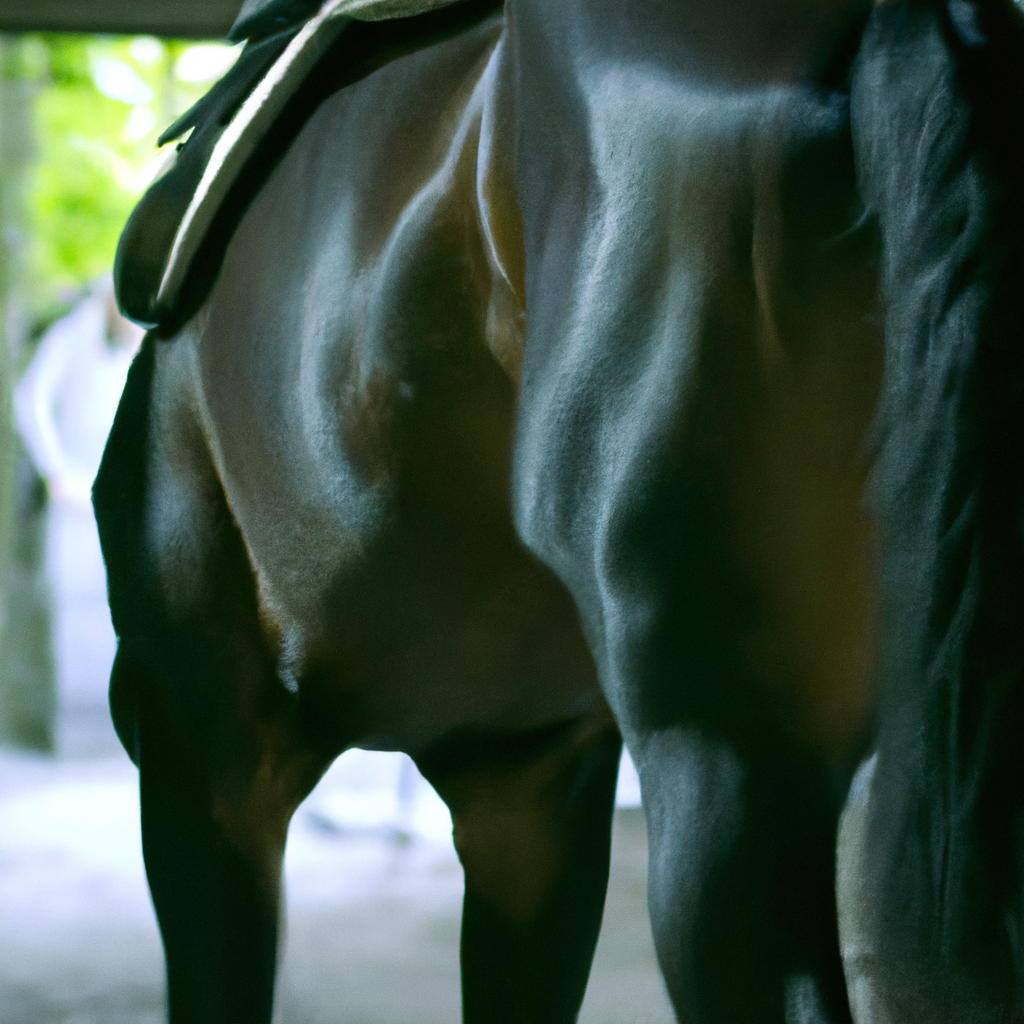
{"type": "Point", "coordinates": [607, 372]}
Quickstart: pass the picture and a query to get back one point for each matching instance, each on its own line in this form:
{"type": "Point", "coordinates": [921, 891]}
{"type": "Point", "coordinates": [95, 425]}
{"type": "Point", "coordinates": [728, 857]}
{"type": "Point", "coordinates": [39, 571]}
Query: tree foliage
{"type": "Point", "coordinates": [100, 103]}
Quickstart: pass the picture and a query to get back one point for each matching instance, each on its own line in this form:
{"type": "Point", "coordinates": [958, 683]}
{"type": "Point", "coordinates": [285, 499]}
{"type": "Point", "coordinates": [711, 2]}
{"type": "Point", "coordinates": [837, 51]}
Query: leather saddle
{"type": "Point", "coordinates": [296, 53]}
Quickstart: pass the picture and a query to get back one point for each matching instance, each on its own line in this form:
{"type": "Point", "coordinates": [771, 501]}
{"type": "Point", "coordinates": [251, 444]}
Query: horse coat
{"type": "Point", "coordinates": [533, 397]}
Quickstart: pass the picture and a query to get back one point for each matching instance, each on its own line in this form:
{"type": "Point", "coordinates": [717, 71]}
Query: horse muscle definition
{"type": "Point", "coordinates": [607, 371]}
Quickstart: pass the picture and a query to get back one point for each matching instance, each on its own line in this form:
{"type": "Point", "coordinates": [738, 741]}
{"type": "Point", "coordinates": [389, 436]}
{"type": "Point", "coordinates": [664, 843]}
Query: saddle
{"type": "Point", "coordinates": [296, 54]}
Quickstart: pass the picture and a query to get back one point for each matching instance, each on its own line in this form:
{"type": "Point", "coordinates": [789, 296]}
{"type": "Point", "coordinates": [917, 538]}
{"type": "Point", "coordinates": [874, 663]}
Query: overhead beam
{"type": "Point", "coordinates": [187, 19]}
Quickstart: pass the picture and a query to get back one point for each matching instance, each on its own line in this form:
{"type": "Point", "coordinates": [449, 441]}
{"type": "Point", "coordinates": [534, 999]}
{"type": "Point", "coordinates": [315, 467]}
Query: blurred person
{"type": "Point", "coordinates": [65, 401]}
{"type": "Point", "coordinates": [59, 643]}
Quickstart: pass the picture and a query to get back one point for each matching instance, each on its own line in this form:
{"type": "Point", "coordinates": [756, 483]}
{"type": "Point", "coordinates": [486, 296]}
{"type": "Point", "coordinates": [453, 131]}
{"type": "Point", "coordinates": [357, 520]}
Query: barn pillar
{"type": "Point", "coordinates": [27, 677]}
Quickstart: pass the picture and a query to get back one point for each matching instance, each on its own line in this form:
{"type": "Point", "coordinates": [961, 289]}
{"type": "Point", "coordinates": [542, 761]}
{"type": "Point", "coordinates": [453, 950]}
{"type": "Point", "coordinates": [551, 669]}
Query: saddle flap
{"type": "Point", "coordinates": [241, 137]}
{"type": "Point", "coordinates": [172, 246]}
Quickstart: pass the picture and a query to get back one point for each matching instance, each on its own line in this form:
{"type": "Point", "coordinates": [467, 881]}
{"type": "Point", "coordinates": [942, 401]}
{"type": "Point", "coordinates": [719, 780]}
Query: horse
{"type": "Point", "coordinates": [608, 372]}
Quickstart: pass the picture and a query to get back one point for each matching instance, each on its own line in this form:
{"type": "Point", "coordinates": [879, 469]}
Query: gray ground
{"type": "Point", "coordinates": [372, 932]}
{"type": "Point", "coordinates": [372, 927]}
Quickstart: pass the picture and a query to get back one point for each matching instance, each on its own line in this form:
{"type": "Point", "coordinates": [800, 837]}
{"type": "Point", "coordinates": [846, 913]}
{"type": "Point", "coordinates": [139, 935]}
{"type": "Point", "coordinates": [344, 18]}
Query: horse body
{"type": "Point", "coordinates": [532, 405]}
{"type": "Point", "coordinates": [382, 423]}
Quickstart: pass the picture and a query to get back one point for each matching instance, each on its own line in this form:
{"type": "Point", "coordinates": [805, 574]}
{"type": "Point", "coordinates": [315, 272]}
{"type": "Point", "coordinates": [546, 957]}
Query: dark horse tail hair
{"type": "Point", "coordinates": [937, 104]}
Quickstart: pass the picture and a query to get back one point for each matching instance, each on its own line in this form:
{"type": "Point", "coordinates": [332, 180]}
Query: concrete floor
{"type": "Point", "coordinates": [372, 923]}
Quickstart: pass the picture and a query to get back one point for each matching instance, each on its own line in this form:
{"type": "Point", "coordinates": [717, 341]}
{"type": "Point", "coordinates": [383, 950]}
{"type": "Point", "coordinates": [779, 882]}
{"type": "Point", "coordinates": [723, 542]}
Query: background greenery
{"type": "Point", "coordinates": [79, 120]}
{"type": "Point", "coordinates": [98, 106]}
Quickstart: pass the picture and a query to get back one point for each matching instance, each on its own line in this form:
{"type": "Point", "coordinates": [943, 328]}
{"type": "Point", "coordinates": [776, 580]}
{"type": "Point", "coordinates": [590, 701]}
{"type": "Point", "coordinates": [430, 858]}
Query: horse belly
{"type": "Point", "coordinates": [362, 427]}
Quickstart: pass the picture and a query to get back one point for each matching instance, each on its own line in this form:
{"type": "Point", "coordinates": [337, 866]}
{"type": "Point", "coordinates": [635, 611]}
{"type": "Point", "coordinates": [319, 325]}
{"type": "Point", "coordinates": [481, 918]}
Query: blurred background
{"type": "Point", "coordinates": [374, 886]}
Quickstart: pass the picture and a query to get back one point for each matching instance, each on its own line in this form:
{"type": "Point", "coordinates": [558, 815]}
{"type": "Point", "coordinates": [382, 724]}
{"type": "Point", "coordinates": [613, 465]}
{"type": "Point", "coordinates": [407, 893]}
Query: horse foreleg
{"type": "Point", "coordinates": [216, 799]}
{"type": "Point", "coordinates": [532, 817]}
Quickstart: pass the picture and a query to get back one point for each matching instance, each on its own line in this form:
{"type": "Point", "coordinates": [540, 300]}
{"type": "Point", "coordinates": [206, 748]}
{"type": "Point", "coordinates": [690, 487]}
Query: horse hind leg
{"type": "Point", "coordinates": [532, 815]}
{"type": "Point", "coordinates": [741, 878]}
